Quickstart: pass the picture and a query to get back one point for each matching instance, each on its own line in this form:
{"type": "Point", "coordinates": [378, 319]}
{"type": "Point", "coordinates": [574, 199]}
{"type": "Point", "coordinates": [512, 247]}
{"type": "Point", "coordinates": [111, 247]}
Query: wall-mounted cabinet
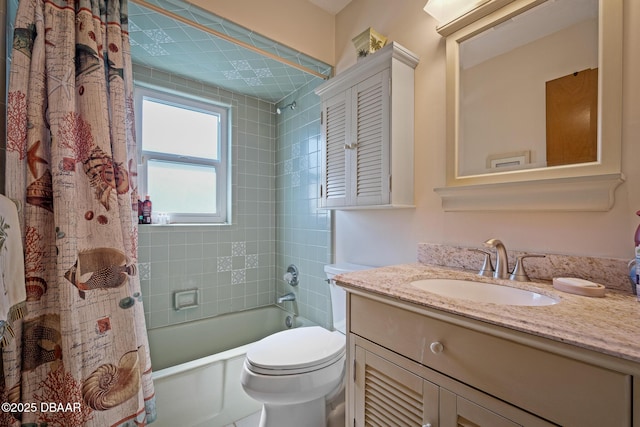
{"type": "Point", "coordinates": [367, 132]}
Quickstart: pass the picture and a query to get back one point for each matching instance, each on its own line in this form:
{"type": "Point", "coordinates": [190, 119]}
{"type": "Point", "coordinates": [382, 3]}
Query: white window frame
{"type": "Point", "coordinates": [222, 165]}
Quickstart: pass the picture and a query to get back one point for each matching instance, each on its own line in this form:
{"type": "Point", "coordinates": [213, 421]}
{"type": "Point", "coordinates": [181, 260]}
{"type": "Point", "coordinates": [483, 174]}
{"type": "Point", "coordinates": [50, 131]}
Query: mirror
{"type": "Point", "coordinates": [524, 82]}
{"type": "Point", "coordinates": [534, 106]}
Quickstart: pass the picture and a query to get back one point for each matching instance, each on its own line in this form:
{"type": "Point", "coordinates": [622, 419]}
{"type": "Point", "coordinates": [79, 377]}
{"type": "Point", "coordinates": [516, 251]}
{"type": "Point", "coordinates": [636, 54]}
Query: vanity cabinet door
{"type": "Point", "coordinates": [386, 394]}
{"type": "Point", "coordinates": [456, 411]}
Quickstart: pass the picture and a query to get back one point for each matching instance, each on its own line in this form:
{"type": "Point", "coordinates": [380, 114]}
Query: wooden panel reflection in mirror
{"type": "Point", "coordinates": [572, 118]}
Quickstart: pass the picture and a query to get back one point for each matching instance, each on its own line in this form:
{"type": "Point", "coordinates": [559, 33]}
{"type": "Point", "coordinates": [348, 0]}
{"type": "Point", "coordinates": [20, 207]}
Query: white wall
{"type": "Point", "coordinates": [388, 237]}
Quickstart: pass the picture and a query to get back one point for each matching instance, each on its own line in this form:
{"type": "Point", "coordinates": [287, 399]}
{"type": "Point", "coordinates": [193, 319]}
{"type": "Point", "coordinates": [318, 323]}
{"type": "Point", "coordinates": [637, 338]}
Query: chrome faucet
{"type": "Point", "coordinates": [502, 261]}
{"type": "Point", "coordinates": [287, 297]}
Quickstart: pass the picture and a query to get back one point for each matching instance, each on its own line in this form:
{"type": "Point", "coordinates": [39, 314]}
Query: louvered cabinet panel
{"type": "Point", "coordinates": [336, 135]}
{"type": "Point", "coordinates": [370, 164]}
{"type": "Point", "coordinates": [388, 395]}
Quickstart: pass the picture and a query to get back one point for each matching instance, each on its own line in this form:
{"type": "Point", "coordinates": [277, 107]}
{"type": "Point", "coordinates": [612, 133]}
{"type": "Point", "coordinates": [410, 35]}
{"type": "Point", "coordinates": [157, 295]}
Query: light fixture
{"type": "Point", "coordinates": [445, 11]}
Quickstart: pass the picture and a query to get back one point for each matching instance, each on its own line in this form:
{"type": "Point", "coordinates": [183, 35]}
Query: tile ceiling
{"type": "Point", "coordinates": [171, 45]}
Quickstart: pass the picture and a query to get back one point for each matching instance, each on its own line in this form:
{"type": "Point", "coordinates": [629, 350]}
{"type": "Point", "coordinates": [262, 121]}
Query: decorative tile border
{"type": "Point", "coordinates": [237, 263]}
{"type": "Point", "coordinates": [611, 272]}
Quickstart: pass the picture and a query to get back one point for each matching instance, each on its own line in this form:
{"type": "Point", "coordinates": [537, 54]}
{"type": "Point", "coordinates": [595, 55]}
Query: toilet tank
{"type": "Point", "coordinates": [338, 295]}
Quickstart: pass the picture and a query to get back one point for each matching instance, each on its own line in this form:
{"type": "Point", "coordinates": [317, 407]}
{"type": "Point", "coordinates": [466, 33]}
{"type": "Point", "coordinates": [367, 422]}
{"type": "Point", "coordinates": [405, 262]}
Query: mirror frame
{"type": "Point", "coordinates": [579, 187]}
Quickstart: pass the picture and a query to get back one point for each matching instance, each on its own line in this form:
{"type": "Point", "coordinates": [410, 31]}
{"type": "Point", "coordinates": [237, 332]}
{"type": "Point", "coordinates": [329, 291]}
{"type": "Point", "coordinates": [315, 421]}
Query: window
{"type": "Point", "coordinates": [184, 145]}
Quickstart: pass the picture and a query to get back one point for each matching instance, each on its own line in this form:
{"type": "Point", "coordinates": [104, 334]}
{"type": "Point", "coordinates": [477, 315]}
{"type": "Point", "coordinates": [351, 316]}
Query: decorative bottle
{"type": "Point", "coordinates": [140, 216]}
{"type": "Point", "coordinates": [146, 210]}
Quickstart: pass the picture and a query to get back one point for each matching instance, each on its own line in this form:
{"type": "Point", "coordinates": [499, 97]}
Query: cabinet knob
{"type": "Point", "coordinates": [436, 347]}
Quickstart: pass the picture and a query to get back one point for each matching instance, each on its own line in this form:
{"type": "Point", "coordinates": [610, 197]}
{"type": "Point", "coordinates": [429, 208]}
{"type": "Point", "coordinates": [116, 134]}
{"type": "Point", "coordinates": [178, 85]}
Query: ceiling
{"type": "Point", "coordinates": [183, 42]}
{"type": "Point", "coordinates": [331, 6]}
{"type": "Point", "coordinates": [533, 24]}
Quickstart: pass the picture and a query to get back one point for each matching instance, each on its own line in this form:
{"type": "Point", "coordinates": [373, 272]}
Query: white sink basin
{"type": "Point", "coordinates": [483, 292]}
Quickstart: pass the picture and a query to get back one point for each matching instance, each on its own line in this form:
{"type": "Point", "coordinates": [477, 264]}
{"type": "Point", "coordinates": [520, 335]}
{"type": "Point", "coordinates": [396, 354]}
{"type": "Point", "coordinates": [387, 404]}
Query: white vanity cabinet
{"type": "Point", "coordinates": [413, 366]}
{"type": "Point", "coordinates": [367, 132]}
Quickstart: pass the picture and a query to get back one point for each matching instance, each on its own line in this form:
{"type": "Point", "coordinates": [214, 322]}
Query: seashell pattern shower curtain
{"type": "Point", "coordinates": [81, 355]}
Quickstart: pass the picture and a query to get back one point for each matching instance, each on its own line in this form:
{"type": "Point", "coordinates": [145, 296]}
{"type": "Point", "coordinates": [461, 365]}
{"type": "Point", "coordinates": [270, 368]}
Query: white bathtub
{"type": "Point", "coordinates": [197, 367]}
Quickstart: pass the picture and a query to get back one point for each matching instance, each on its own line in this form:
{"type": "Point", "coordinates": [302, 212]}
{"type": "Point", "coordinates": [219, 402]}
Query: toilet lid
{"type": "Point", "coordinates": [297, 349]}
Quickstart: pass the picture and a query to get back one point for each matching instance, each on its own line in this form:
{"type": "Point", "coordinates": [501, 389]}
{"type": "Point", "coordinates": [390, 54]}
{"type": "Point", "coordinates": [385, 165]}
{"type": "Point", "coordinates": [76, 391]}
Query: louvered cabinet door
{"type": "Point", "coordinates": [370, 151]}
{"type": "Point", "coordinates": [336, 136]}
{"type": "Point", "coordinates": [457, 411]}
{"type": "Point", "coordinates": [388, 395]}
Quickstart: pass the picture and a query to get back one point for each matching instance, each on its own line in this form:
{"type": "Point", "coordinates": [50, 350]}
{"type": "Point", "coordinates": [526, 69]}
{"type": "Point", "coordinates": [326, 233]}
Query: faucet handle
{"type": "Point", "coordinates": [291, 276]}
{"type": "Point", "coordinates": [518, 272]}
{"type": "Point", "coordinates": [487, 269]}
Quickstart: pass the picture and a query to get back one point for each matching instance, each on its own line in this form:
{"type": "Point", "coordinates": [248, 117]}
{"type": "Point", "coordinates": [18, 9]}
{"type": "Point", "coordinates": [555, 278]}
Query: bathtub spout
{"type": "Point", "coordinates": [287, 297]}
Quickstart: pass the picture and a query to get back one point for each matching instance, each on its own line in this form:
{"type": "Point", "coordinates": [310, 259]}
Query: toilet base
{"type": "Point", "coordinates": [307, 414]}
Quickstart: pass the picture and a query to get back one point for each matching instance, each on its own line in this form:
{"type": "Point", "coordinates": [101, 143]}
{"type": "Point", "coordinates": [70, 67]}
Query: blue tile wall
{"type": "Point", "coordinates": [275, 220]}
{"type": "Point", "coordinates": [232, 265]}
{"type": "Point", "coordinates": [303, 230]}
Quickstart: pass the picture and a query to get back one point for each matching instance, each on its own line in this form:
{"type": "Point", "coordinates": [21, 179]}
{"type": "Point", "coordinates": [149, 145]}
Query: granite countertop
{"type": "Point", "coordinates": [608, 325]}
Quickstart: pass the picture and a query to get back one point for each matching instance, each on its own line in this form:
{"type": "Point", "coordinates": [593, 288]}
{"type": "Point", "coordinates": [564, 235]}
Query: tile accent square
{"type": "Point", "coordinates": [238, 248]}
{"type": "Point", "coordinates": [238, 277]}
{"type": "Point", "coordinates": [251, 261]}
{"type": "Point", "coordinates": [225, 263]}
{"type": "Point", "coordinates": [144, 269]}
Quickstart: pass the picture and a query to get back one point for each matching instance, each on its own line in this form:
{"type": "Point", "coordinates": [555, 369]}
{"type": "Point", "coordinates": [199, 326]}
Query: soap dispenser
{"type": "Point", "coordinates": [634, 267]}
{"type": "Point", "coordinates": [637, 237]}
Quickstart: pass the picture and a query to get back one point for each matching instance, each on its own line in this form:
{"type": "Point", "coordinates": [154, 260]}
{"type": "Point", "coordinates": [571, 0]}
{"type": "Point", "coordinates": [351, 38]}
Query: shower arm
{"type": "Point", "coordinates": [292, 106]}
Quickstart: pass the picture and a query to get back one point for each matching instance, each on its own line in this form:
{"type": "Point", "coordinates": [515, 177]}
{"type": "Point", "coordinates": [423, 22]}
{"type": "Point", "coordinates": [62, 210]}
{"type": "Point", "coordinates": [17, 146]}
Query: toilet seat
{"type": "Point", "coordinates": [296, 351]}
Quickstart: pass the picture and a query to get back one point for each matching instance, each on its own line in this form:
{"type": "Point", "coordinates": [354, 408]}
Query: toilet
{"type": "Point", "coordinates": [298, 374]}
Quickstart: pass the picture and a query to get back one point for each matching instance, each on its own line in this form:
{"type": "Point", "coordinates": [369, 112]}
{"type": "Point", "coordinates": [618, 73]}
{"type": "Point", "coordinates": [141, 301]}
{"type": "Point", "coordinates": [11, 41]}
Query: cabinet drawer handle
{"type": "Point", "coordinates": [436, 347]}
{"type": "Point", "coordinates": [351, 146]}
{"type": "Point", "coordinates": [427, 425]}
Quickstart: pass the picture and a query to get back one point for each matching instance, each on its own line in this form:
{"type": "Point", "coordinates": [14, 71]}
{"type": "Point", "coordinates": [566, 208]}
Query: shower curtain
{"type": "Point", "coordinates": [80, 356]}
